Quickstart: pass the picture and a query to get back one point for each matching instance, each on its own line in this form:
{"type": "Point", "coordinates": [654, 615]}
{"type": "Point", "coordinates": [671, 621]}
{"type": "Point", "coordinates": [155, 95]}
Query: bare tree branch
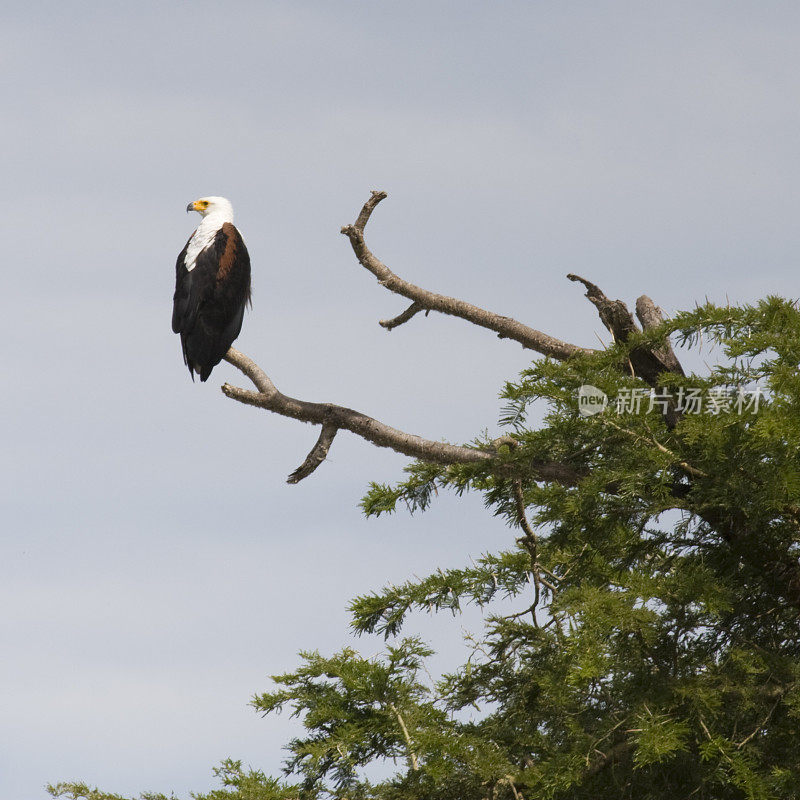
{"type": "Point", "coordinates": [646, 363]}
{"type": "Point", "coordinates": [335, 416]}
{"type": "Point", "coordinates": [339, 417]}
{"type": "Point", "coordinates": [504, 327]}
{"type": "Point", "coordinates": [413, 309]}
{"type": "Point", "coordinates": [651, 316]}
{"type": "Point", "coordinates": [318, 454]}
{"type": "Point", "coordinates": [613, 313]}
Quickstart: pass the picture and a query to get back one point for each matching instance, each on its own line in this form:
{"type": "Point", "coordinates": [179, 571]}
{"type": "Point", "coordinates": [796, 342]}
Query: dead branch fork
{"type": "Point", "coordinates": [646, 363]}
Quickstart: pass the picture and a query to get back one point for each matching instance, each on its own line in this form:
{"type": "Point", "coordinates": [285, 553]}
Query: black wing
{"type": "Point", "coordinates": [191, 289]}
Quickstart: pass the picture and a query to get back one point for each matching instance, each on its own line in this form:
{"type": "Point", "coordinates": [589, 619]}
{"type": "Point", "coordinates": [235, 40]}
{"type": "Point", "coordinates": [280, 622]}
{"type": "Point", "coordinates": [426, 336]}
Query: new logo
{"type": "Point", "coordinates": [591, 400]}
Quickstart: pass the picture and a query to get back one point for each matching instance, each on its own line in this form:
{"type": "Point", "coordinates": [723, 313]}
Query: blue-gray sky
{"type": "Point", "coordinates": [154, 566]}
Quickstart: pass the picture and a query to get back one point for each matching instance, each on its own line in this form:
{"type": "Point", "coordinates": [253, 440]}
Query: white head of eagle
{"type": "Point", "coordinates": [212, 287]}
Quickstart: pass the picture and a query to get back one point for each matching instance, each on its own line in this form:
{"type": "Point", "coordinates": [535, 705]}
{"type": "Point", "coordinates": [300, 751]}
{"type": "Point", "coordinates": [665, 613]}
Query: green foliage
{"type": "Point", "coordinates": [352, 708]}
{"type": "Point", "coordinates": [240, 784]}
{"type": "Point", "coordinates": [80, 791]}
{"type": "Point", "coordinates": [505, 574]}
{"type": "Point", "coordinates": [655, 652]}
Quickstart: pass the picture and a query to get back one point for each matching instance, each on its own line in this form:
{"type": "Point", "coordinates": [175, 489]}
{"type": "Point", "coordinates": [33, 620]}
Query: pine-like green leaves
{"type": "Point", "coordinates": [654, 652]}
{"type": "Point", "coordinates": [672, 562]}
{"type": "Point", "coordinates": [506, 574]}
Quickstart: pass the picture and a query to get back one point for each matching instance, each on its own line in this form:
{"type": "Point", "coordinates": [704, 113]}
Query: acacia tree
{"type": "Point", "coordinates": [655, 652]}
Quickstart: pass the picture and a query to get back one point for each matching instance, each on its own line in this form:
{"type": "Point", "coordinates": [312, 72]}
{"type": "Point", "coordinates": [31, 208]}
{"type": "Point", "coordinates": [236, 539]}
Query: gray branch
{"type": "Point", "coordinates": [411, 311]}
{"type": "Point", "coordinates": [504, 327]}
{"type": "Point", "coordinates": [334, 418]}
{"type": "Point", "coordinates": [319, 452]}
{"type": "Point", "coordinates": [327, 414]}
{"type": "Point", "coordinates": [647, 363]}
{"type": "Point", "coordinates": [651, 316]}
{"type": "Point", "coordinates": [613, 313]}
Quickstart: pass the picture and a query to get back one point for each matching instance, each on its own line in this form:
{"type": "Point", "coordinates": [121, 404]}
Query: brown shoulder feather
{"type": "Point", "coordinates": [228, 257]}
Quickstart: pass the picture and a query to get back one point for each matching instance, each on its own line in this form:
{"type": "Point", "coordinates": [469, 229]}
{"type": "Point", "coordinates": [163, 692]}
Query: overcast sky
{"type": "Point", "coordinates": [155, 568]}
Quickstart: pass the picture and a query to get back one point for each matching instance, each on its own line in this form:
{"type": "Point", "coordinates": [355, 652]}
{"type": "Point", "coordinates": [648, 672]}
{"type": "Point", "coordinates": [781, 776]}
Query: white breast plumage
{"type": "Point", "coordinates": [201, 238]}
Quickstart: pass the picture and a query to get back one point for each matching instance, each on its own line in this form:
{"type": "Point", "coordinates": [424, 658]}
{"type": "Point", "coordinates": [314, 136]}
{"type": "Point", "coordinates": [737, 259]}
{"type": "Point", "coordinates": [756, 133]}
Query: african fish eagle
{"type": "Point", "coordinates": [212, 287]}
